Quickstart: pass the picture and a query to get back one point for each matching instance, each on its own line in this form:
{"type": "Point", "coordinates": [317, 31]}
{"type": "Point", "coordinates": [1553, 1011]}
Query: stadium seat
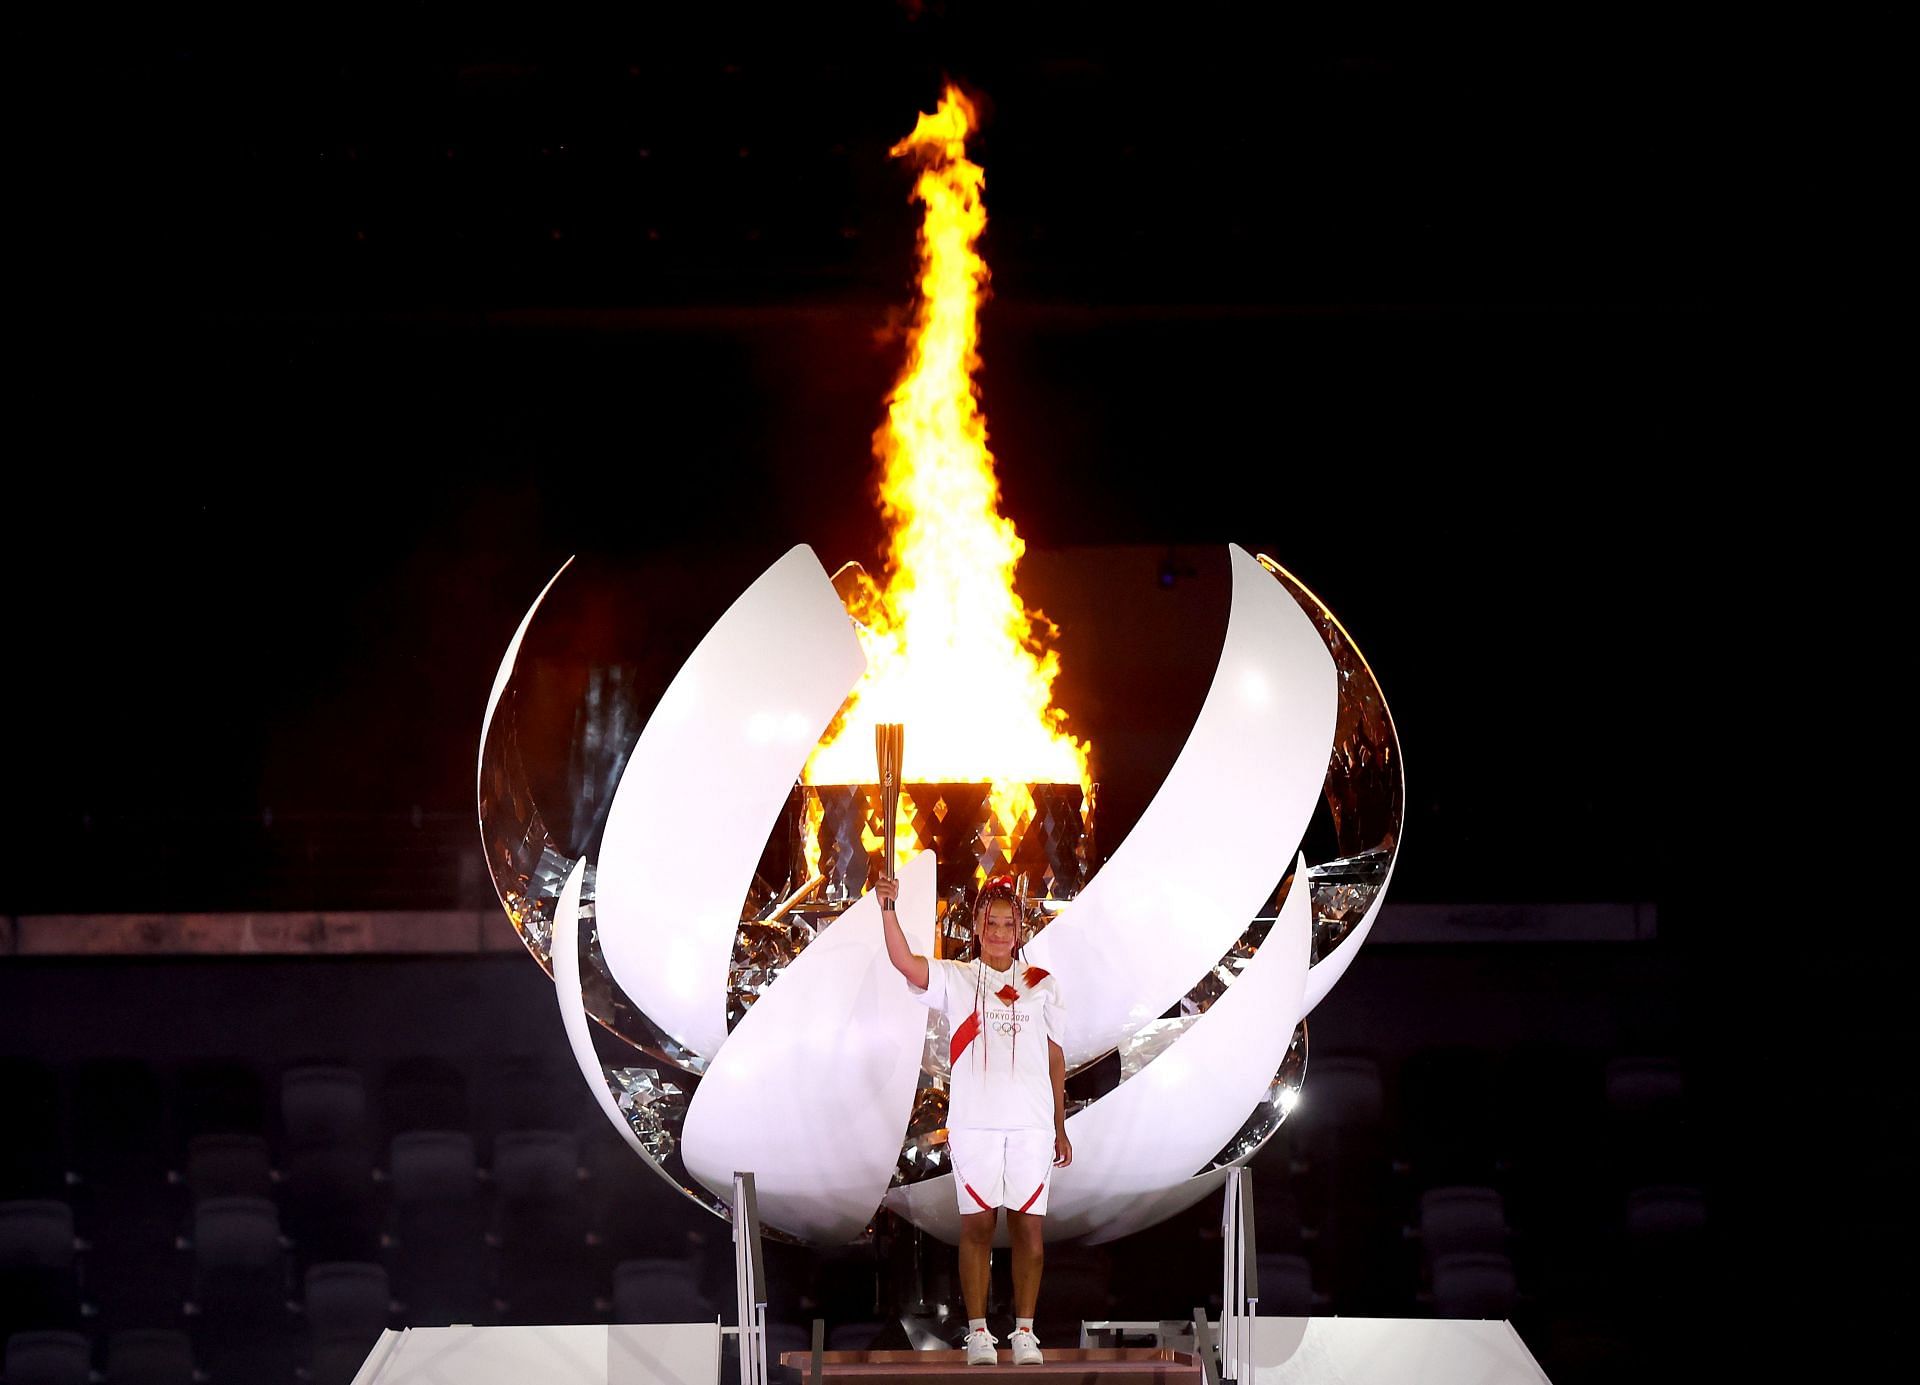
{"type": "Point", "coordinates": [1473, 1284]}
{"type": "Point", "coordinates": [228, 1165]}
{"type": "Point", "coordinates": [39, 1281]}
{"type": "Point", "coordinates": [423, 1093]}
{"type": "Point", "coordinates": [336, 1361]}
{"type": "Point", "coordinates": [221, 1096]}
{"type": "Point", "coordinates": [659, 1291]}
{"type": "Point", "coordinates": [242, 1329]}
{"type": "Point", "coordinates": [324, 1107]}
{"type": "Point", "coordinates": [540, 1228]}
{"type": "Point", "coordinates": [347, 1298]}
{"type": "Point", "coordinates": [150, 1357]}
{"type": "Point", "coordinates": [47, 1358]}
{"type": "Point", "coordinates": [1651, 1137]}
{"type": "Point", "coordinates": [437, 1256]}
{"type": "Point", "coordinates": [1285, 1283]}
{"type": "Point", "coordinates": [1641, 1087]}
{"type": "Point", "coordinates": [1461, 1219]}
{"type": "Point", "coordinates": [348, 1306]}
{"type": "Point", "coordinates": [524, 1093]}
{"type": "Point", "coordinates": [1665, 1214]}
{"type": "Point", "coordinates": [239, 1262]}
{"type": "Point", "coordinates": [331, 1202]}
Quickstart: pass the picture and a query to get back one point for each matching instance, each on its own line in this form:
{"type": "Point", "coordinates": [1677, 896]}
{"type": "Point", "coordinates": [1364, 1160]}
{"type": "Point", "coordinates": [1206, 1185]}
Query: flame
{"type": "Point", "coordinates": [952, 650]}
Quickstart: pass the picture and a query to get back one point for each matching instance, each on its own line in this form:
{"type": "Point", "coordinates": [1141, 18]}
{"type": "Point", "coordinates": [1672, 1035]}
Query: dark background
{"type": "Point", "coordinates": [1537, 337]}
{"type": "Point", "coordinates": [1548, 346]}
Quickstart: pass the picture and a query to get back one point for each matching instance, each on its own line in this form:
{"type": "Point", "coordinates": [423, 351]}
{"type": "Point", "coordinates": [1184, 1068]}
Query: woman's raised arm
{"type": "Point", "coordinates": [906, 961]}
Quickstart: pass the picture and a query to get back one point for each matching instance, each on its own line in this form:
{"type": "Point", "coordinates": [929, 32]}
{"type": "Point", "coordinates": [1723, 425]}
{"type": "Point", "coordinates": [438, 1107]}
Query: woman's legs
{"type": "Point", "coordinates": [976, 1259]}
{"type": "Point", "coordinates": [1029, 1254]}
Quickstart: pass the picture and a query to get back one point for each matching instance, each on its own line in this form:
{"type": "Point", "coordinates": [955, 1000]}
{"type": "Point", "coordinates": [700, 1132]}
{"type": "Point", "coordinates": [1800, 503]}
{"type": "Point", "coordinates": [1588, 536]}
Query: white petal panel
{"type": "Point", "coordinates": [1149, 1211]}
{"type": "Point", "coordinates": [573, 1006]}
{"type": "Point", "coordinates": [1205, 854]}
{"type": "Point", "coordinates": [929, 1205]}
{"type": "Point", "coordinates": [1149, 1134]}
{"type": "Point", "coordinates": [505, 671]}
{"type": "Point", "coordinates": [813, 1089]}
{"type": "Point", "coordinates": [1333, 966]}
{"type": "Point", "coordinates": [704, 786]}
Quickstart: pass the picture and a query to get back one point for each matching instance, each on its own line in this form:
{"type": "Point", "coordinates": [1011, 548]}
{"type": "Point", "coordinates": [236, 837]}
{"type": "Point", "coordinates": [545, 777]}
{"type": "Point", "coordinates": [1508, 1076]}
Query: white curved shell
{"type": "Point", "coordinates": [1148, 1211]}
{"type": "Point", "coordinates": [573, 1010]}
{"type": "Point", "coordinates": [504, 674]}
{"type": "Point", "coordinates": [813, 1088]}
{"type": "Point", "coordinates": [706, 782]}
{"type": "Point", "coordinates": [1330, 968]}
{"type": "Point", "coordinates": [1205, 854]}
{"type": "Point", "coordinates": [816, 1082]}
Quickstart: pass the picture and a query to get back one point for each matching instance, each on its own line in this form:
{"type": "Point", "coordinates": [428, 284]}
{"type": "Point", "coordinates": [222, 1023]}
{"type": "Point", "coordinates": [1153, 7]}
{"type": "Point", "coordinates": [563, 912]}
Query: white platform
{"type": "Point", "coordinates": [1286, 1351]}
{"type": "Point", "coordinates": [1389, 1351]}
{"type": "Point", "coordinates": [591, 1354]}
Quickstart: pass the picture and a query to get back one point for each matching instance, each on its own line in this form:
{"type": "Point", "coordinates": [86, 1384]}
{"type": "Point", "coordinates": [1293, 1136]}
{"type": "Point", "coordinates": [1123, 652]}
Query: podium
{"type": "Point", "coordinates": [1282, 1351]}
{"type": "Point", "coordinates": [1251, 1350]}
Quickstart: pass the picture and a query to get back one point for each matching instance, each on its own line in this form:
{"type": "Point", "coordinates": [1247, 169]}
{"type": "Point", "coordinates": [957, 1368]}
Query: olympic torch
{"type": "Point", "coordinates": [889, 742]}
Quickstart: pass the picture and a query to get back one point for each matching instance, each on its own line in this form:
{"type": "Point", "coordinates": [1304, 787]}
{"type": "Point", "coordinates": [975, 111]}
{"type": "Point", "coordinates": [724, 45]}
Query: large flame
{"type": "Point", "coordinates": [952, 650]}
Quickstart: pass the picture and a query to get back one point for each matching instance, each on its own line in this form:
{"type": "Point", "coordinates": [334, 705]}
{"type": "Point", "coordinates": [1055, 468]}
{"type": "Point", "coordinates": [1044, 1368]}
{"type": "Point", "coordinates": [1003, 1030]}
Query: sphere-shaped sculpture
{"type": "Point", "coordinates": [721, 926]}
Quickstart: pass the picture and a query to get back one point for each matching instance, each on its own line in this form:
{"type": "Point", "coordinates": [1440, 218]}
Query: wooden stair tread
{"type": "Point", "coordinates": [1090, 1364]}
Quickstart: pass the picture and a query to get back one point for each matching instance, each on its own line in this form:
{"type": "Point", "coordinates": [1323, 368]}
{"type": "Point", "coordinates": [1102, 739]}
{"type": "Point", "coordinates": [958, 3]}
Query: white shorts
{"type": "Point", "coordinates": [1001, 1168]}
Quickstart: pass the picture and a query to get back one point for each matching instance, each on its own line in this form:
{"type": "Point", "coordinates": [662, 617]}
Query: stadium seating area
{"type": "Point", "coordinates": [212, 1220]}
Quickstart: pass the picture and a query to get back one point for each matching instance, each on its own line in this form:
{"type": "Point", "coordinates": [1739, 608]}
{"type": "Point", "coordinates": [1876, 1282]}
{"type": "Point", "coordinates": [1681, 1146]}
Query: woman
{"type": "Point", "coordinates": [1006, 1103]}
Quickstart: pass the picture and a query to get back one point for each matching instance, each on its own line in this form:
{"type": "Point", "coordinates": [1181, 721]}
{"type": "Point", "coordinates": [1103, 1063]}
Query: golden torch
{"type": "Point", "coordinates": [889, 741]}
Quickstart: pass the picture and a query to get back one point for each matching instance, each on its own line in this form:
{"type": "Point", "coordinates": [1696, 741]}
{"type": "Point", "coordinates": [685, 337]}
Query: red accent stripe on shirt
{"type": "Point", "coordinates": [1033, 977]}
{"type": "Point", "coordinates": [982, 1201]}
{"type": "Point", "coordinates": [969, 1030]}
{"type": "Point", "coordinates": [1035, 1198]}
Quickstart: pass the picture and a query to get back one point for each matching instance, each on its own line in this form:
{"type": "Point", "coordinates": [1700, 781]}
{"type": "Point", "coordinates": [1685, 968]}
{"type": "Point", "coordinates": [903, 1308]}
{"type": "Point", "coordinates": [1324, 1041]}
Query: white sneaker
{"type": "Point", "coordinates": [1026, 1350]}
{"type": "Point", "coordinates": [980, 1348]}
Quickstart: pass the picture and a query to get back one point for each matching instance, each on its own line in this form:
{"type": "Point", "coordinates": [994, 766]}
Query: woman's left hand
{"type": "Point", "coordinates": [1062, 1149]}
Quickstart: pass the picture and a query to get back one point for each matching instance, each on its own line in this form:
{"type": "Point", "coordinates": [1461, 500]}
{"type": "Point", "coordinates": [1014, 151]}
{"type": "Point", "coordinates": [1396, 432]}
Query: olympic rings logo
{"type": "Point", "coordinates": [1005, 1027]}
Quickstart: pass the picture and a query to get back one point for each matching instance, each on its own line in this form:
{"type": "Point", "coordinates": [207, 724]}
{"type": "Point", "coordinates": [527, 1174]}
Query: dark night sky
{"type": "Point", "coordinates": [1531, 343]}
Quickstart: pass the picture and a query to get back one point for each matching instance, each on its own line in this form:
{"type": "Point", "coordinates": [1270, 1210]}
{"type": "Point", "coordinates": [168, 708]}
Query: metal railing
{"type": "Point", "coordinates": [1240, 1286]}
{"type": "Point", "coordinates": [749, 1279]}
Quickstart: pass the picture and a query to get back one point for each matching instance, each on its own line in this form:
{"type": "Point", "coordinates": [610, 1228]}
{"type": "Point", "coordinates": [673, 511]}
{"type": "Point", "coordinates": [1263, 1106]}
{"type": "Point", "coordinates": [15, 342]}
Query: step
{"type": "Point", "coordinates": [950, 1367]}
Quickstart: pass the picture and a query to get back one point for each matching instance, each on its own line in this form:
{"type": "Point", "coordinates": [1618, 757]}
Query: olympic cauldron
{"type": "Point", "coordinates": [765, 1026]}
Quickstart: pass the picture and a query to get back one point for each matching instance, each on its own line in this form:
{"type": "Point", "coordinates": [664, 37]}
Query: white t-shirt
{"type": "Point", "coordinates": [1000, 1022]}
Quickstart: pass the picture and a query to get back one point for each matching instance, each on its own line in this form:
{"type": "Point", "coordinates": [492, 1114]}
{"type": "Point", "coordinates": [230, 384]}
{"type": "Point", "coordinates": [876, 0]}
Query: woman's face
{"type": "Point", "coordinates": [999, 933]}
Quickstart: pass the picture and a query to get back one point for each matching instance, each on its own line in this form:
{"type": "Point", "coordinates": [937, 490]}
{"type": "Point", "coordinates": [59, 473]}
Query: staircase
{"type": "Point", "coordinates": [1090, 1365]}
